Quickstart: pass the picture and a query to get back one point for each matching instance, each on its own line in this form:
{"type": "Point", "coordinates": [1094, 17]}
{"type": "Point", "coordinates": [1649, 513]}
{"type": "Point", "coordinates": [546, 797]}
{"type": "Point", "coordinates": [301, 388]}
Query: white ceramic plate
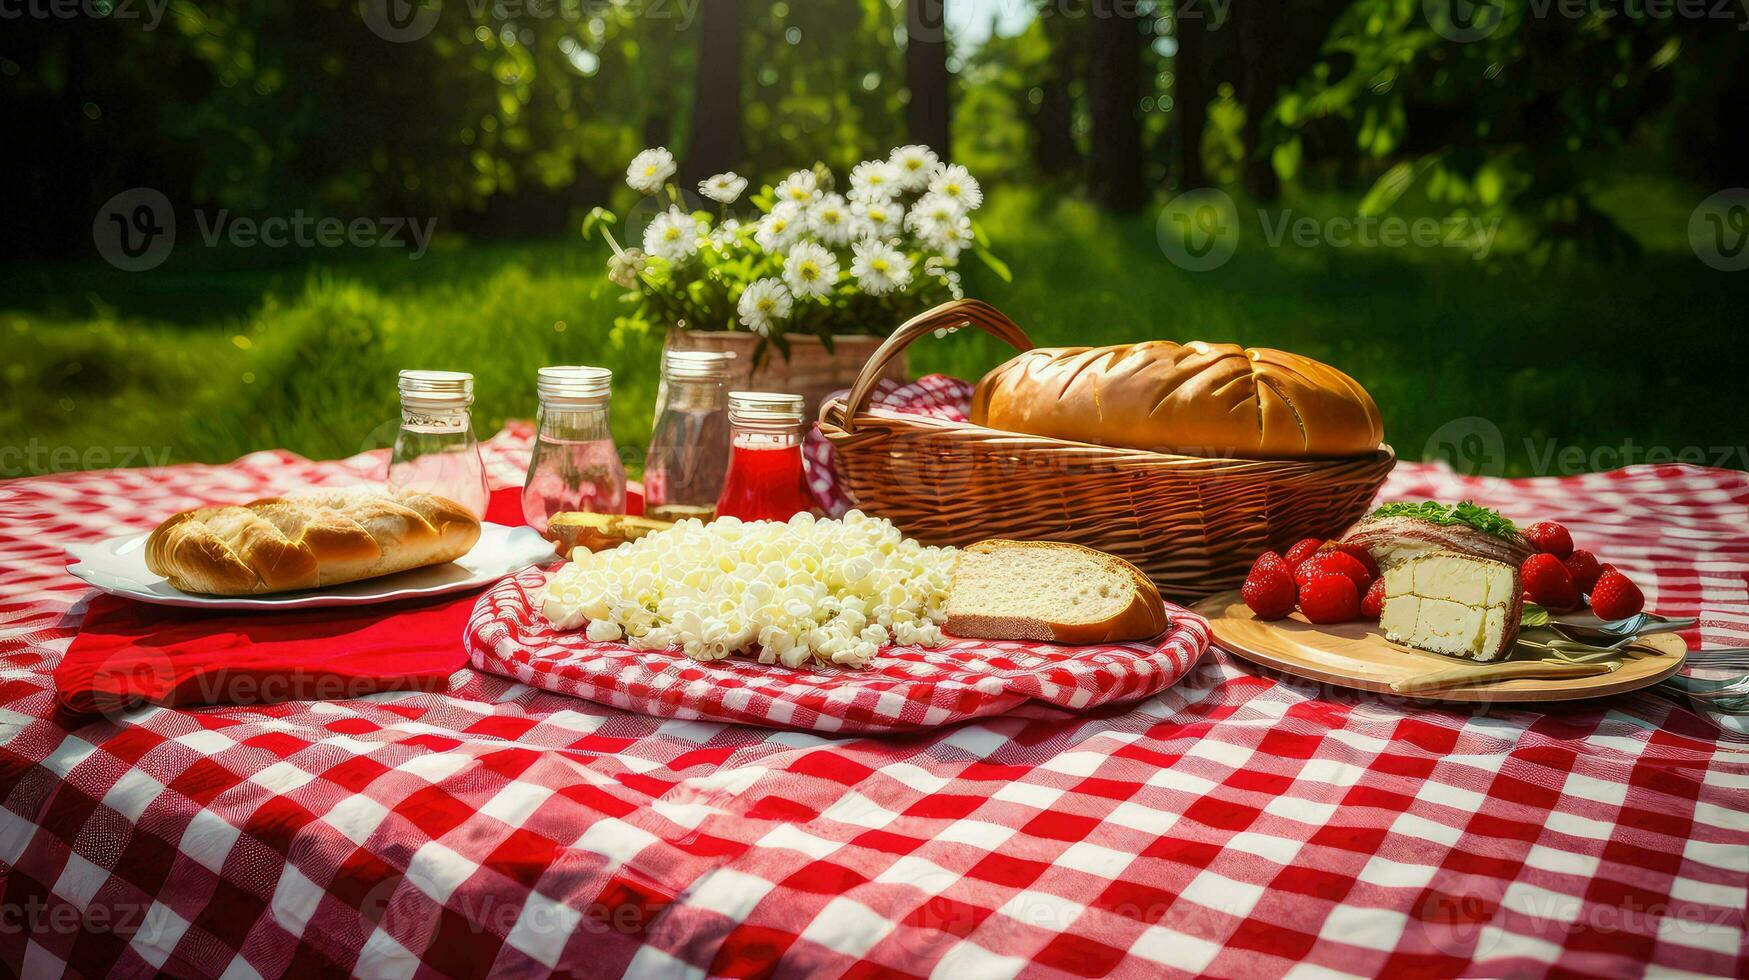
{"type": "Point", "coordinates": [118, 566]}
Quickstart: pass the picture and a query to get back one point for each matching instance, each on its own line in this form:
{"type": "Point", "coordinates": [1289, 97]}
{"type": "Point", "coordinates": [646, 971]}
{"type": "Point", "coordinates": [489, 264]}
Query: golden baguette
{"type": "Point", "coordinates": [308, 541]}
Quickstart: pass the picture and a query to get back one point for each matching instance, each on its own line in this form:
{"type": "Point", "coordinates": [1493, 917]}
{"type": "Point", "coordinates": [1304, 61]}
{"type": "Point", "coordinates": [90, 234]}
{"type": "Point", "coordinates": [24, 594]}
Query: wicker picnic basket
{"type": "Point", "coordinates": [1192, 523]}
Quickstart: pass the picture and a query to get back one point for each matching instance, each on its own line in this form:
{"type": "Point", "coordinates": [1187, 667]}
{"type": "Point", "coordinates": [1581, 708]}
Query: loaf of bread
{"type": "Point", "coordinates": [308, 541]}
{"type": "Point", "coordinates": [1190, 399]}
{"type": "Point", "coordinates": [1050, 591]}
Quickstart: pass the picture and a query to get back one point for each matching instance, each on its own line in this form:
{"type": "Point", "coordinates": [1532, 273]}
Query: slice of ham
{"type": "Point", "coordinates": [1394, 540]}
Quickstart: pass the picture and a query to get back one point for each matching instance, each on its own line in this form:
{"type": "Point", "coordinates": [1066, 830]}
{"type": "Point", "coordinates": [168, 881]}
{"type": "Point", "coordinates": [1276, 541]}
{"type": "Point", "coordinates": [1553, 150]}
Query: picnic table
{"type": "Point", "coordinates": [1237, 824]}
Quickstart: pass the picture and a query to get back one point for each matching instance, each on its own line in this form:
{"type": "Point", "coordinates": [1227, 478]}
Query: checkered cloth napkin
{"type": "Point", "coordinates": [1234, 824]}
{"type": "Point", "coordinates": [905, 689]}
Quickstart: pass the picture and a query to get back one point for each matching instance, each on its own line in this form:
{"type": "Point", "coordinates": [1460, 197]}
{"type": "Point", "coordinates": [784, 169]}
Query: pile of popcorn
{"type": "Point", "coordinates": [835, 591]}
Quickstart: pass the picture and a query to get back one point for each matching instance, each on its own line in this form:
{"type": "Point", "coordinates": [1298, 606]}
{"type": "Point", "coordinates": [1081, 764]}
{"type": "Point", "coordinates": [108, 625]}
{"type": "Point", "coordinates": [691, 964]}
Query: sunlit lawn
{"type": "Point", "coordinates": [214, 355]}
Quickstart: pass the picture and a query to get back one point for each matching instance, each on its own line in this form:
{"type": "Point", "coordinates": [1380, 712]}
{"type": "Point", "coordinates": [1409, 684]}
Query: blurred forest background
{"type": "Point", "coordinates": [1589, 130]}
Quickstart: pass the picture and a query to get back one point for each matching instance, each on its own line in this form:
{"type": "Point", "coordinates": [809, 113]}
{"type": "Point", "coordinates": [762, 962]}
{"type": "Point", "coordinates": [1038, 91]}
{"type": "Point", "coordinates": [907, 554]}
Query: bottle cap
{"type": "Point", "coordinates": [764, 408]}
{"type": "Point", "coordinates": [437, 388]}
{"type": "Point", "coordinates": [574, 385]}
{"type": "Point", "coordinates": [696, 365]}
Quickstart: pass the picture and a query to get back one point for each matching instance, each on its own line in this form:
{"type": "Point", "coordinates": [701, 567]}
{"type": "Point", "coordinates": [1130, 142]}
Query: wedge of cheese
{"type": "Point", "coordinates": [1458, 605]}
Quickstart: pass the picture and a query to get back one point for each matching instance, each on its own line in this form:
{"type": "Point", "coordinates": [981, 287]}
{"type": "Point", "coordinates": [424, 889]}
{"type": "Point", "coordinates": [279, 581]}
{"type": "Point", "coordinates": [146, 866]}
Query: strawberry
{"type": "Point", "coordinates": [1269, 560]}
{"type": "Point", "coordinates": [1548, 583]}
{"type": "Point", "coordinates": [1585, 570]}
{"type": "Point", "coordinates": [1269, 590]}
{"type": "Point", "coordinates": [1372, 605]}
{"type": "Point", "coordinates": [1334, 563]}
{"type": "Point", "coordinates": [1301, 551]}
{"type": "Point", "coordinates": [1329, 599]}
{"type": "Point", "coordinates": [1614, 597]}
{"type": "Point", "coordinates": [1360, 554]}
{"type": "Point", "coordinates": [1550, 539]}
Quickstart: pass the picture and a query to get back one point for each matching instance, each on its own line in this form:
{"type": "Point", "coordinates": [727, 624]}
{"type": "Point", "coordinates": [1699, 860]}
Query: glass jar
{"type": "Point", "coordinates": [689, 444]}
{"type": "Point", "coordinates": [765, 481]}
{"type": "Point", "coordinates": [435, 451]}
{"type": "Point", "coordinates": [575, 466]}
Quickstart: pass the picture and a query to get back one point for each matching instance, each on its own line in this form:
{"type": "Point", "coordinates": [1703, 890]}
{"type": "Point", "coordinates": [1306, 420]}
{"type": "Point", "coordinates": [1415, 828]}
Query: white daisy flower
{"type": "Point", "coordinates": [879, 218]}
{"type": "Point", "coordinates": [723, 188]}
{"type": "Point", "coordinates": [958, 183]}
{"type": "Point", "coordinates": [672, 236]}
{"type": "Point", "coordinates": [879, 268]}
{"type": "Point", "coordinates": [875, 177]}
{"type": "Point", "coordinates": [763, 303]}
{"type": "Point", "coordinates": [800, 188]}
{"type": "Point", "coordinates": [650, 170]}
{"type": "Point", "coordinates": [915, 164]}
{"type": "Point", "coordinates": [779, 228]}
{"type": "Point", "coordinates": [941, 223]}
{"type": "Point", "coordinates": [831, 220]}
{"type": "Point", "coordinates": [811, 270]}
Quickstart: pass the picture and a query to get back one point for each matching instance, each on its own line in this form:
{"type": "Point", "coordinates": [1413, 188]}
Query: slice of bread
{"type": "Point", "coordinates": [1053, 592]}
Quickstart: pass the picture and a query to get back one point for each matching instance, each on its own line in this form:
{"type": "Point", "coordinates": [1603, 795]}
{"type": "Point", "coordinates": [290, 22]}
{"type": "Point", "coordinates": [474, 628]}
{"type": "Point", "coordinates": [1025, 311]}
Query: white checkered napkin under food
{"type": "Point", "coordinates": [1234, 825]}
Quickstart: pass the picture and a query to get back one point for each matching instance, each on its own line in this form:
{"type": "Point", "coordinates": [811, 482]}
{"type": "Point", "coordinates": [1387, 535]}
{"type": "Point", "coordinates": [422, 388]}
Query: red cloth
{"type": "Point", "coordinates": [128, 652]}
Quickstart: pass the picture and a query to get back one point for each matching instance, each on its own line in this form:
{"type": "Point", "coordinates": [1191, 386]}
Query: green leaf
{"type": "Point", "coordinates": [1387, 189]}
{"type": "Point", "coordinates": [996, 265]}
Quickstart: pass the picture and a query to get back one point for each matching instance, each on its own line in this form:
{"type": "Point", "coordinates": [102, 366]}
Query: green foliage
{"type": "Point", "coordinates": [1498, 125]}
{"type": "Point", "coordinates": [307, 361]}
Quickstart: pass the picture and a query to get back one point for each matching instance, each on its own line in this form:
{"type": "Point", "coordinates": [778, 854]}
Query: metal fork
{"type": "Point", "coordinates": [1643, 624]}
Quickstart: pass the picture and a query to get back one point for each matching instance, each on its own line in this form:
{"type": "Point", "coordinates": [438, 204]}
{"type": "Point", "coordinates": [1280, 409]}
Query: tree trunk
{"type": "Point", "coordinates": [1191, 92]}
{"type": "Point", "coordinates": [1113, 90]}
{"type": "Point", "coordinates": [926, 116]}
{"type": "Point", "coordinates": [1259, 80]}
{"type": "Point", "coordinates": [716, 106]}
{"type": "Point", "coordinates": [1053, 120]}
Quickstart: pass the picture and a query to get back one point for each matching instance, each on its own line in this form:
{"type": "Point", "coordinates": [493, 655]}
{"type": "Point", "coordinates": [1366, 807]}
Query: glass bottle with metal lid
{"type": "Point", "coordinates": [435, 450]}
{"type": "Point", "coordinates": [575, 465]}
{"type": "Point", "coordinates": [689, 445]}
{"type": "Point", "coordinates": [766, 481]}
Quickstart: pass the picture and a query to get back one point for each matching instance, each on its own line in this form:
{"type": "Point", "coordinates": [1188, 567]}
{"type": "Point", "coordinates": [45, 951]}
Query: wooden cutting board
{"type": "Point", "coordinates": [1356, 655]}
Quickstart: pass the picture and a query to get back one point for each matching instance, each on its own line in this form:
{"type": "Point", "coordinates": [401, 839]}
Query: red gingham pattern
{"type": "Point", "coordinates": [1234, 824]}
{"type": "Point", "coordinates": [936, 395]}
{"type": "Point", "coordinates": [904, 689]}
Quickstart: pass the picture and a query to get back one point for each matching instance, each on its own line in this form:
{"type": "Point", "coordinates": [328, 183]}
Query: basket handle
{"type": "Point", "coordinates": [953, 315]}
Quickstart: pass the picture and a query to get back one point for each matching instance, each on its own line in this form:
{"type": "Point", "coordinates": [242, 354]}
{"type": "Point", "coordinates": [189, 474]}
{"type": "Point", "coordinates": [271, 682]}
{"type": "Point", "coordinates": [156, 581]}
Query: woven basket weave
{"type": "Point", "coordinates": [1192, 523]}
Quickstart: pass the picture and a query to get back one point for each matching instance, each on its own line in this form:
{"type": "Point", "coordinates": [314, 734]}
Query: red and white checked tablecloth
{"type": "Point", "coordinates": [1233, 825]}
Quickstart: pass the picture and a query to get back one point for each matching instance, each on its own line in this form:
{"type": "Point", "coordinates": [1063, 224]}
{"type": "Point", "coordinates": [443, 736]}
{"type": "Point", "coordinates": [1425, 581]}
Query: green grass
{"type": "Point", "coordinates": [214, 354]}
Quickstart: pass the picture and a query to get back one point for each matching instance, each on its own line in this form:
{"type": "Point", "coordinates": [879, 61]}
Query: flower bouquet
{"type": "Point", "coordinates": [803, 258]}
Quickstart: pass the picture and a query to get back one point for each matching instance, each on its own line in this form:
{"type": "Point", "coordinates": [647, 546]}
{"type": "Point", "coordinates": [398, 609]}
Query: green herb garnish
{"type": "Point", "coordinates": [1481, 518]}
